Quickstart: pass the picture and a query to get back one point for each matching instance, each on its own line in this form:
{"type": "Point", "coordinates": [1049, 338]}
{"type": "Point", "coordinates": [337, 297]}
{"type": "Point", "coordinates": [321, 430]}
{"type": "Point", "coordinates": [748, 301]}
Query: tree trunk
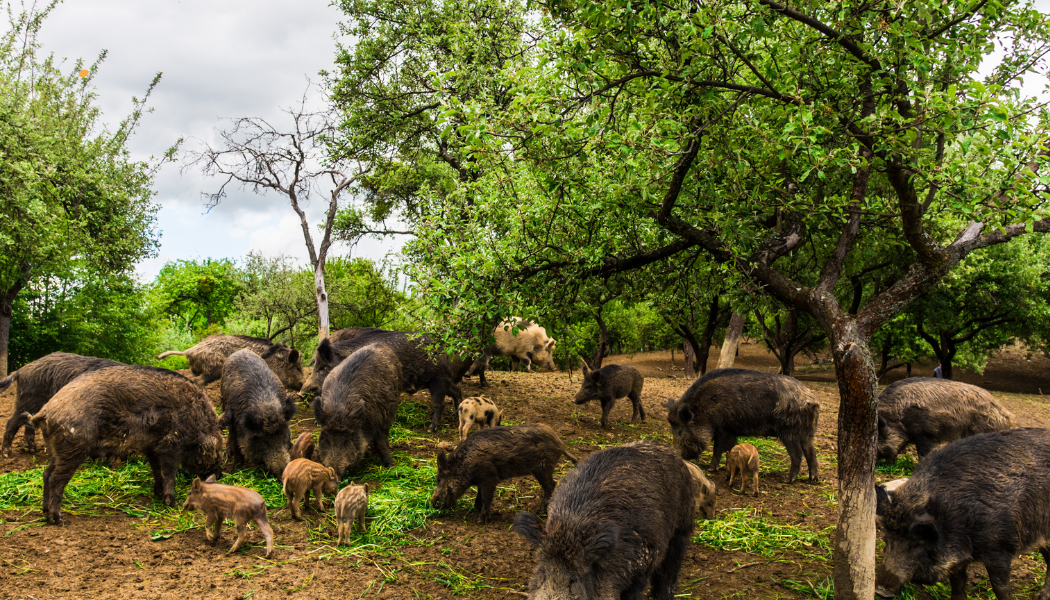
{"type": "Point", "coordinates": [603, 342]}
{"type": "Point", "coordinates": [709, 333]}
{"type": "Point", "coordinates": [687, 352]}
{"type": "Point", "coordinates": [732, 341]}
{"type": "Point", "coordinates": [854, 553]}
{"type": "Point", "coordinates": [5, 334]}
{"type": "Point", "coordinates": [322, 302]}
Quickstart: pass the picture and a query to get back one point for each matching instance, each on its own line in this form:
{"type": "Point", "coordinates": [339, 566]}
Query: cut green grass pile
{"type": "Point", "coordinates": [902, 468]}
{"type": "Point", "coordinates": [746, 530]}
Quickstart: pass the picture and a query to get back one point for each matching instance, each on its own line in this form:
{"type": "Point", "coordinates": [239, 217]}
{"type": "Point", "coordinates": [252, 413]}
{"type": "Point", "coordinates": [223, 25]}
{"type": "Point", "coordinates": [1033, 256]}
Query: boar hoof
{"type": "Point", "coordinates": [169, 499]}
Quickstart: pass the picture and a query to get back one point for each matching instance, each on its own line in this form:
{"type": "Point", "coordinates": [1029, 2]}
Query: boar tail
{"type": "Point", "coordinates": [7, 381]}
{"type": "Point", "coordinates": [570, 456]}
{"type": "Point", "coordinates": [170, 353]}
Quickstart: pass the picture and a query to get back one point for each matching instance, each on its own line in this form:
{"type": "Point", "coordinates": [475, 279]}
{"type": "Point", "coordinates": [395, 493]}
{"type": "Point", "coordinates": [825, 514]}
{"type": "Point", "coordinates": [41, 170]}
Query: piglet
{"type": "Point", "coordinates": [302, 476]}
{"type": "Point", "coordinates": [219, 501]}
{"type": "Point", "coordinates": [478, 411]}
{"type": "Point", "coordinates": [705, 492]}
{"type": "Point", "coordinates": [743, 459]}
{"type": "Point", "coordinates": [351, 504]}
{"type": "Point", "coordinates": [303, 446]}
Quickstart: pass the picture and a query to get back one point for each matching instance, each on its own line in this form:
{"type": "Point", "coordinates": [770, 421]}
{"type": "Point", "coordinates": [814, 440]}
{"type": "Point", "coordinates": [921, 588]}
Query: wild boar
{"type": "Point", "coordinates": [478, 411]}
{"type": "Point", "coordinates": [303, 476]}
{"type": "Point", "coordinates": [727, 403]}
{"type": "Point", "coordinates": [356, 408]}
{"type": "Point", "coordinates": [351, 505]}
{"type": "Point", "coordinates": [37, 383]}
{"type": "Point", "coordinates": [256, 410]}
{"type": "Point", "coordinates": [207, 357]}
{"type": "Point", "coordinates": [303, 446]}
{"type": "Point", "coordinates": [618, 523]}
{"type": "Point", "coordinates": [609, 383]}
{"type": "Point", "coordinates": [218, 502]}
{"type": "Point", "coordinates": [530, 345]}
{"type": "Point", "coordinates": [492, 455]}
{"type": "Point", "coordinates": [439, 374]}
{"type": "Point", "coordinates": [927, 412]}
{"type": "Point", "coordinates": [743, 460]}
{"type": "Point", "coordinates": [984, 498]}
{"type": "Point", "coordinates": [118, 410]}
{"type": "Point", "coordinates": [706, 492]}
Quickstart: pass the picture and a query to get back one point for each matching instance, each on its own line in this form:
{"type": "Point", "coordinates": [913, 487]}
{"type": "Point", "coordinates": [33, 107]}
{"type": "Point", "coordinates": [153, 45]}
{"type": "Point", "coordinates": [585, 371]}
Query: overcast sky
{"type": "Point", "coordinates": [220, 59]}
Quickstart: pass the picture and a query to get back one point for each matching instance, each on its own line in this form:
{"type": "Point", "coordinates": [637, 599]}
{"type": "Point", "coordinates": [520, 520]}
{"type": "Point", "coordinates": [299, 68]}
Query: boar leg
{"type": "Point", "coordinates": [267, 533]}
{"type": "Point", "coordinates": [438, 391]}
{"type": "Point", "coordinates": [483, 502]}
{"type": "Point", "coordinates": [13, 425]}
{"type": "Point", "coordinates": [607, 405]}
{"type": "Point", "coordinates": [665, 578]}
{"type": "Point", "coordinates": [754, 480]}
{"type": "Point", "coordinates": [342, 532]}
{"type": "Point", "coordinates": [999, 577]}
{"type": "Point", "coordinates": [546, 479]}
{"type": "Point", "coordinates": [60, 476]}
{"type": "Point", "coordinates": [212, 525]}
{"type": "Point", "coordinates": [1044, 594]}
{"type": "Point", "coordinates": [811, 460]}
{"type": "Point", "coordinates": [639, 411]}
{"type": "Point", "coordinates": [319, 494]}
{"type": "Point", "coordinates": [164, 471]}
{"type": "Point", "coordinates": [464, 426]}
{"type": "Point", "coordinates": [924, 446]}
{"type": "Point", "coordinates": [382, 447]}
{"type": "Point", "coordinates": [722, 443]}
{"type": "Point", "coordinates": [958, 581]}
{"type": "Point", "coordinates": [731, 467]}
{"type": "Point", "coordinates": [794, 451]}
{"type": "Point", "coordinates": [360, 521]}
{"type": "Point", "coordinates": [242, 534]}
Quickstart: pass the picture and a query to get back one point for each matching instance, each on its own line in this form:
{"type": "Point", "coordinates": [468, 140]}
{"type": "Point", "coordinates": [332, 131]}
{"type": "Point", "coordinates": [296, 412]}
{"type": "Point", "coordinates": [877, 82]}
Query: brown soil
{"type": "Point", "coordinates": [109, 557]}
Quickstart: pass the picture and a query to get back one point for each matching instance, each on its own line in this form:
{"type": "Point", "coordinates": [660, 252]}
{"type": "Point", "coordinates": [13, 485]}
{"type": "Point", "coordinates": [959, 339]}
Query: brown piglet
{"type": "Point", "coordinates": [303, 446]}
{"type": "Point", "coordinates": [302, 476]}
{"type": "Point", "coordinates": [351, 504]}
{"type": "Point", "coordinates": [219, 501]}
{"type": "Point", "coordinates": [743, 459]}
{"type": "Point", "coordinates": [705, 492]}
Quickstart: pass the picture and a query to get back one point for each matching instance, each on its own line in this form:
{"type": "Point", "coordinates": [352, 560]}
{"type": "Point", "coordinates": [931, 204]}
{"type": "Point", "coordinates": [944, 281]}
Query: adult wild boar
{"type": "Point", "coordinates": [439, 374]}
{"type": "Point", "coordinates": [256, 410]}
{"type": "Point", "coordinates": [609, 383]}
{"type": "Point", "coordinates": [356, 408]}
{"type": "Point", "coordinates": [208, 356]}
{"type": "Point", "coordinates": [927, 412]}
{"type": "Point", "coordinates": [985, 498]}
{"type": "Point", "coordinates": [618, 524]}
{"type": "Point", "coordinates": [112, 412]}
{"type": "Point", "coordinates": [37, 383]}
{"type": "Point", "coordinates": [530, 345]}
{"type": "Point", "coordinates": [727, 403]}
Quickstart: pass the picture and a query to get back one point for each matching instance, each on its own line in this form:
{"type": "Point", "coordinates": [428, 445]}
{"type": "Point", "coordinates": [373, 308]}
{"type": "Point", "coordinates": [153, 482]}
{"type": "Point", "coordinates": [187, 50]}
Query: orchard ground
{"type": "Point", "coordinates": [119, 543]}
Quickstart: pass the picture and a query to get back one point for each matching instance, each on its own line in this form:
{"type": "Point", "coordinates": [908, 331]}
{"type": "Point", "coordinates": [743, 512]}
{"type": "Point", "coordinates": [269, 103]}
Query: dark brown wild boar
{"type": "Point", "coordinates": [37, 383]}
{"type": "Point", "coordinates": [492, 455]}
{"type": "Point", "coordinates": [256, 410]}
{"type": "Point", "coordinates": [928, 412]}
{"type": "Point", "coordinates": [356, 409]}
{"type": "Point", "coordinates": [620, 523]}
{"type": "Point", "coordinates": [351, 505]}
{"type": "Point", "coordinates": [302, 476]}
{"type": "Point", "coordinates": [303, 446]}
{"type": "Point", "coordinates": [207, 357]}
{"type": "Point", "coordinates": [609, 383]}
{"type": "Point", "coordinates": [727, 403]}
{"type": "Point", "coordinates": [218, 502]}
{"type": "Point", "coordinates": [119, 410]}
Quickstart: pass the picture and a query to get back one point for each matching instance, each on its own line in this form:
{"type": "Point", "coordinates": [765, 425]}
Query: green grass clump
{"type": "Point", "coordinates": [746, 530]}
{"type": "Point", "coordinates": [902, 468]}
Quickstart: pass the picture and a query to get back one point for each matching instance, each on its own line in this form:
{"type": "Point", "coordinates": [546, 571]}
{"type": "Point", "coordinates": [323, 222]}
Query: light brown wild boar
{"type": "Point", "coordinates": [209, 355]}
{"type": "Point", "coordinates": [303, 446]}
{"type": "Point", "coordinates": [479, 411]}
{"type": "Point", "coordinates": [530, 345]}
{"type": "Point", "coordinates": [302, 476]}
{"type": "Point", "coordinates": [351, 504]}
{"type": "Point", "coordinates": [743, 459]}
{"type": "Point", "coordinates": [705, 492]}
{"type": "Point", "coordinates": [219, 501]}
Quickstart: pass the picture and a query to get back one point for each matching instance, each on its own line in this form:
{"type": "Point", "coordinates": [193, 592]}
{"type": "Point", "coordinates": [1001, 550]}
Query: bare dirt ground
{"type": "Point", "coordinates": [453, 555]}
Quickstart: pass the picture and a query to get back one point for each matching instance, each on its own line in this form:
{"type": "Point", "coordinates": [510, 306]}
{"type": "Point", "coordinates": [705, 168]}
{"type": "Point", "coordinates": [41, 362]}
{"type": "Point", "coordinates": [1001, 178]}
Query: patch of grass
{"type": "Point", "coordinates": [902, 468]}
{"type": "Point", "coordinates": [822, 588]}
{"type": "Point", "coordinates": [746, 530]}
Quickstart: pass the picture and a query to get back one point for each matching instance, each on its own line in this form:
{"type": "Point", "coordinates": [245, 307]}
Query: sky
{"type": "Point", "coordinates": [220, 59]}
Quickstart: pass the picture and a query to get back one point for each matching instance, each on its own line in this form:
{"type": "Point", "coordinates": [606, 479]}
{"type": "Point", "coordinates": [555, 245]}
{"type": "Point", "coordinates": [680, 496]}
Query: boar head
{"type": "Point", "coordinates": [451, 482]}
{"type": "Point", "coordinates": [891, 441]}
{"type": "Point", "coordinates": [592, 387]}
{"type": "Point", "coordinates": [690, 437]}
{"type": "Point", "coordinates": [565, 567]}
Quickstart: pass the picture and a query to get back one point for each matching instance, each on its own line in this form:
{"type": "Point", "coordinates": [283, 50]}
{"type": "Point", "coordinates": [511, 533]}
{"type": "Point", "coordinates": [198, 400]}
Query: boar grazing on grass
{"type": "Point", "coordinates": [727, 403]}
{"type": "Point", "coordinates": [37, 383]}
{"type": "Point", "coordinates": [609, 383]}
{"type": "Point", "coordinates": [742, 460]}
{"type": "Point", "coordinates": [303, 476]}
{"type": "Point", "coordinates": [116, 411]}
{"type": "Point", "coordinates": [530, 345]}
{"type": "Point", "coordinates": [619, 524]}
{"type": "Point", "coordinates": [985, 498]}
{"type": "Point", "coordinates": [492, 455]}
{"type": "Point", "coordinates": [706, 492]}
{"type": "Point", "coordinates": [208, 356]}
{"type": "Point", "coordinates": [356, 408]}
{"type": "Point", "coordinates": [351, 505]}
{"type": "Point", "coordinates": [478, 411]}
{"type": "Point", "coordinates": [928, 412]}
{"type": "Point", "coordinates": [419, 371]}
{"type": "Point", "coordinates": [303, 446]}
{"type": "Point", "coordinates": [256, 410]}
{"type": "Point", "coordinates": [219, 502]}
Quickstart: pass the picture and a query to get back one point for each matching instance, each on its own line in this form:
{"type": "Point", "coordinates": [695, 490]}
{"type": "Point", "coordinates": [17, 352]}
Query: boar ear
{"type": "Point", "coordinates": [882, 424]}
{"type": "Point", "coordinates": [441, 460]}
{"type": "Point", "coordinates": [210, 479]}
{"type": "Point", "coordinates": [550, 345]}
{"type": "Point", "coordinates": [528, 526]}
{"type": "Point", "coordinates": [324, 354]}
{"type": "Point", "coordinates": [331, 472]}
{"type": "Point", "coordinates": [924, 527]}
{"type": "Point", "coordinates": [596, 376]}
{"type": "Point", "coordinates": [293, 356]}
{"type": "Point", "coordinates": [602, 543]}
{"type": "Point", "coordinates": [685, 414]}
{"type": "Point", "coordinates": [882, 500]}
{"type": "Point", "coordinates": [669, 403]}
{"type": "Point", "coordinates": [196, 483]}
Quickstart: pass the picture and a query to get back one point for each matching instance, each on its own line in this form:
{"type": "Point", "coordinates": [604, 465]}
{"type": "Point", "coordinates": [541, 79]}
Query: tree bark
{"type": "Point", "coordinates": [687, 352]}
{"type": "Point", "coordinates": [709, 333]}
{"type": "Point", "coordinates": [603, 341]}
{"type": "Point", "coordinates": [322, 302]}
{"type": "Point", "coordinates": [5, 334]}
{"type": "Point", "coordinates": [732, 341]}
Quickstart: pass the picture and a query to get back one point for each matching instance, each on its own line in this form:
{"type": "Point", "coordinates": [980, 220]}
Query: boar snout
{"type": "Point", "coordinates": [887, 585]}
